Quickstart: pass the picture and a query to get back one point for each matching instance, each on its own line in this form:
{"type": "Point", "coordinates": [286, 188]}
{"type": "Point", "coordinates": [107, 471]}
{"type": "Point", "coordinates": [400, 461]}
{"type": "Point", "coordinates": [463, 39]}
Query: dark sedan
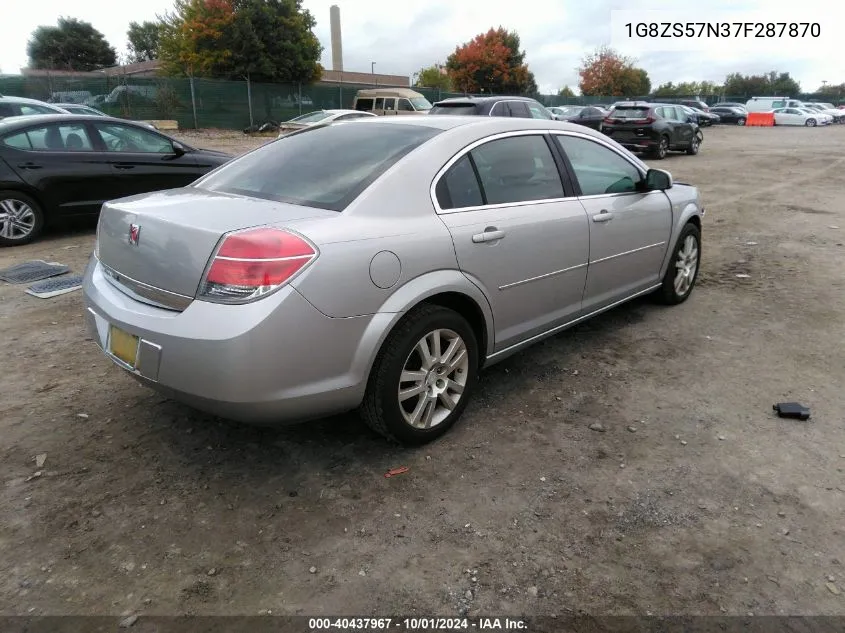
{"type": "Point", "coordinates": [589, 116]}
{"type": "Point", "coordinates": [733, 115]}
{"type": "Point", "coordinates": [62, 165]}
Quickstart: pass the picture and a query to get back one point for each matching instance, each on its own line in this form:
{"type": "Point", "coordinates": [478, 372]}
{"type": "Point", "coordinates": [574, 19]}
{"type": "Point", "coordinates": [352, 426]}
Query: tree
{"type": "Point", "coordinates": [566, 91]}
{"type": "Point", "coordinates": [71, 45]}
{"type": "Point", "coordinates": [434, 76]}
{"type": "Point", "coordinates": [832, 90]}
{"type": "Point", "coordinates": [769, 84]}
{"type": "Point", "coordinates": [687, 89]}
{"type": "Point", "coordinates": [491, 62]}
{"type": "Point", "coordinates": [144, 40]}
{"type": "Point", "coordinates": [607, 73]}
{"type": "Point", "coordinates": [258, 40]}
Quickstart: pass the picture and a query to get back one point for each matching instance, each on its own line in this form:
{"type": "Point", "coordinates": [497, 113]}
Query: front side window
{"type": "Point", "coordinates": [379, 103]}
{"type": "Point", "coordinates": [326, 167]}
{"type": "Point", "coordinates": [123, 138]}
{"type": "Point", "coordinates": [459, 187]}
{"type": "Point", "coordinates": [517, 169]}
{"type": "Point", "coordinates": [404, 106]}
{"type": "Point", "coordinates": [599, 170]}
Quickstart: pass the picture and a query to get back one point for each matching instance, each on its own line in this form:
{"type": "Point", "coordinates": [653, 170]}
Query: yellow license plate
{"type": "Point", "coordinates": [123, 345]}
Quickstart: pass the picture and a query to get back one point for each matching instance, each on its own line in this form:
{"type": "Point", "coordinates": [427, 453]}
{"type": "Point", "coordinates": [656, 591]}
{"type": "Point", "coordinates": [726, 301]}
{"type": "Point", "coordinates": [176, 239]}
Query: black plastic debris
{"type": "Point", "coordinates": [792, 410]}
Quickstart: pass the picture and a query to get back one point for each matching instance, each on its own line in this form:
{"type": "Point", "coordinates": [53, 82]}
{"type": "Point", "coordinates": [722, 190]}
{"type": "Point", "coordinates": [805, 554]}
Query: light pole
{"type": "Point", "coordinates": [373, 73]}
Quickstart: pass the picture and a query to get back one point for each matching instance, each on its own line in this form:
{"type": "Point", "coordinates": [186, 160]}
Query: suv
{"type": "Point", "coordinates": [695, 103]}
{"type": "Point", "coordinates": [21, 106]}
{"type": "Point", "coordinates": [521, 107]}
{"type": "Point", "coordinates": [654, 128]}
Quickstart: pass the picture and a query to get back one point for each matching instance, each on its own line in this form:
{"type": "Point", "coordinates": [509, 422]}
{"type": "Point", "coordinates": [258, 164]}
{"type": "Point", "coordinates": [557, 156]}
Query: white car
{"type": "Point", "coordinates": [828, 109]}
{"type": "Point", "coordinates": [797, 116]}
{"type": "Point", "coordinates": [824, 118]}
{"type": "Point", "coordinates": [320, 117]}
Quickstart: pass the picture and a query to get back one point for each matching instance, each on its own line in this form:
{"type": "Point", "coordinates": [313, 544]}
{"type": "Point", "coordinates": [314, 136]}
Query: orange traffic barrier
{"type": "Point", "coordinates": [760, 119]}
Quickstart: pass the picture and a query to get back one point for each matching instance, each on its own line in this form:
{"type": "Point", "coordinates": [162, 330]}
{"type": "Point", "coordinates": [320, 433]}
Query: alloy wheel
{"type": "Point", "coordinates": [663, 148]}
{"type": "Point", "coordinates": [686, 265]}
{"type": "Point", "coordinates": [433, 378]}
{"type": "Point", "coordinates": [17, 219]}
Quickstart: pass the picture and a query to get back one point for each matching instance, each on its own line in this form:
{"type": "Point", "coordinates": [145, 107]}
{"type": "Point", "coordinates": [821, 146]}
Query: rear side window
{"type": "Point", "coordinates": [379, 103]}
{"type": "Point", "coordinates": [459, 188]}
{"type": "Point", "coordinates": [538, 111]}
{"type": "Point", "coordinates": [457, 108]}
{"type": "Point", "coordinates": [517, 169]}
{"type": "Point", "coordinates": [59, 138]}
{"type": "Point", "coordinates": [365, 105]}
{"type": "Point", "coordinates": [322, 167]}
{"type": "Point", "coordinates": [18, 141]}
{"type": "Point", "coordinates": [519, 109]}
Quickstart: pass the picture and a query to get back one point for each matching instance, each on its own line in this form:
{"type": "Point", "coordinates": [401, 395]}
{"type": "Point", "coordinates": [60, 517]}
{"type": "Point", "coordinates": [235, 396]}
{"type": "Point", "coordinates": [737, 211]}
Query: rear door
{"type": "Point", "coordinates": [143, 160]}
{"type": "Point", "coordinates": [516, 234]}
{"type": "Point", "coordinates": [62, 163]}
{"type": "Point", "coordinates": [681, 129]}
{"type": "Point", "coordinates": [629, 230]}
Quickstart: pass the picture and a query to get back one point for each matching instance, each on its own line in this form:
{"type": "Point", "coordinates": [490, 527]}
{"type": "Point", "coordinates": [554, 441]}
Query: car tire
{"type": "Point", "coordinates": [24, 213]}
{"type": "Point", "coordinates": [695, 146]}
{"type": "Point", "coordinates": [810, 123]}
{"type": "Point", "coordinates": [678, 282]}
{"type": "Point", "coordinates": [740, 121]}
{"type": "Point", "coordinates": [437, 394]}
{"type": "Point", "coordinates": [662, 148]}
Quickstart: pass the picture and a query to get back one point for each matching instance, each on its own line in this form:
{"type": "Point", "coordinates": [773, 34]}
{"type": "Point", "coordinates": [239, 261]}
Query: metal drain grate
{"type": "Point", "coordinates": [32, 271]}
{"type": "Point", "coordinates": [54, 287]}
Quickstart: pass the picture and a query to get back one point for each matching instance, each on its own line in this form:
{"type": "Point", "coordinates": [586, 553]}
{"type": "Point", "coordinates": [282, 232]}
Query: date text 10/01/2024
{"type": "Point", "coordinates": [722, 30]}
{"type": "Point", "coordinates": [417, 624]}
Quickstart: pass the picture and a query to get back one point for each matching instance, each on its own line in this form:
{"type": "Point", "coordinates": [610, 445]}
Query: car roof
{"type": "Point", "coordinates": [11, 99]}
{"type": "Point", "coordinates": [491, 99]}
{"type": "Point", "coordinates": [14, 122]}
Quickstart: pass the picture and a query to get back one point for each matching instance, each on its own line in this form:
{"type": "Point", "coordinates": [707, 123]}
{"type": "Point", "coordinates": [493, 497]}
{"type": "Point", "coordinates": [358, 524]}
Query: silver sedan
{"type": "Point", "coordinates": [379, 264]}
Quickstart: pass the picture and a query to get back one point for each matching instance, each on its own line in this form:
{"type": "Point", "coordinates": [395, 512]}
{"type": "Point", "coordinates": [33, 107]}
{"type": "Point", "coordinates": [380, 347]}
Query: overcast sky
{"type": "Point", "coordinates": [401, 37]}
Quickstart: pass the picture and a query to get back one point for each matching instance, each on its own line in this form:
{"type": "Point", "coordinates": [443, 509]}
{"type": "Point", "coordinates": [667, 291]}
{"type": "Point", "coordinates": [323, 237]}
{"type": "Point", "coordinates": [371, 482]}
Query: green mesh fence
{"type": "Point", "coordinates": [211, 103]}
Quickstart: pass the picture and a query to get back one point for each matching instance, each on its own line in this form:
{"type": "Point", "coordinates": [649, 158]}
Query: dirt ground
{"type": "Point", "coordinates": [695, 499]}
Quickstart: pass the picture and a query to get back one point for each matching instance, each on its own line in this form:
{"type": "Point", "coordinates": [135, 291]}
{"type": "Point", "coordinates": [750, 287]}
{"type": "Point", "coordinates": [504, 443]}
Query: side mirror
{"type": "Point", "coordinates": [178, 148]}
{"type": "Point", "coordinates": [658, 180]}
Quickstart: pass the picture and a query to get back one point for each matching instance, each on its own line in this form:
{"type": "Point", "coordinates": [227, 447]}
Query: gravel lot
{"type": "Point", "coordinates": [694, 499]}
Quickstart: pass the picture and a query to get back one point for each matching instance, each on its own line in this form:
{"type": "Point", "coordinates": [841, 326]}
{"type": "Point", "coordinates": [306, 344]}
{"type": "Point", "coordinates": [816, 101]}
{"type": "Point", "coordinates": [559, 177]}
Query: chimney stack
{"type": "Point", "coordinates": [337, 45]}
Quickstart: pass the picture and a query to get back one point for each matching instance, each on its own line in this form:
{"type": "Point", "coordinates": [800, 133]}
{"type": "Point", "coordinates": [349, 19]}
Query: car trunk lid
{"type": "Point", "coordinates": [157, 246]}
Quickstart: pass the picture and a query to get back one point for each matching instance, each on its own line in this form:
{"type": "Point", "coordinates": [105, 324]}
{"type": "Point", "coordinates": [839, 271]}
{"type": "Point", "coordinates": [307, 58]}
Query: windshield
{"type": "Point", "coordinates": [453, 108]}
{"type": "Point", "coordinates": [420, 103]}
{"type": "Point", "coordinates": [311, 117]}
{"type": "Point", "coordinates": [326, 167]}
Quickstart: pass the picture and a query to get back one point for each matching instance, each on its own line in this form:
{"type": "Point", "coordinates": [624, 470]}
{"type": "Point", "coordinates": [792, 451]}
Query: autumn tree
{"type": "Point", "coordinates": [607, 73]}
{"type": "Point", "coordinates": [192, 37]}
{"type": "Point", "coordinates": [491, 62]}
{"type": "Point", "coordinates": [70, 45]}
{"type": "Point", "coordinates": [434, 76]}
{"type": "Point", "coordinates": [768, 84]}
{"type": "Point", "coordinates": [143, 40]}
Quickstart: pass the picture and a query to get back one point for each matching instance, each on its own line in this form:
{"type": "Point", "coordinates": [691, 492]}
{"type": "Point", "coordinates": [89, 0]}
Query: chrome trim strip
{"type": "Point", "coordinates": [267, 259]}
{"type": "Point", "coordinates": [631, 252]}
{"type": "Point", "coordinates": [557, 329]}
{"type": "Point", "coordinates": [146, 293]}
{"type": "Point", "coordinates": [544, 276]}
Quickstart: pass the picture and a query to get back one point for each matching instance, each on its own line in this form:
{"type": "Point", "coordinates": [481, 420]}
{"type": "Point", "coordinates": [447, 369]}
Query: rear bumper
{"type": "Point", "coordinates": [275, 361]}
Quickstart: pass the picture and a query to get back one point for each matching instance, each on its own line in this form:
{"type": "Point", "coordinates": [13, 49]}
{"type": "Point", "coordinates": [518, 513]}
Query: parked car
{"type": "Point", "coordinates": [823, 118]}
{"type": "Point", "coordinates": [77, 108]}
{"type": "Point", "coordinates": [695, 103]}
{"type": "Point", "coordinates": [589, 116]}
{"type": "Point", "coordinates": [728, 104]}
{"type": "Point", "coordinates": [654, 128]}
{"type": "Point", "coordinates": [796, 116]}
{"type": "Point", "coordinates": [320, 117]}
{"type": "Point", "coordinates": [378, 265]}
{"type": "Point", "coordinates": [768, 104]}
{"type": "Point", "coordinates": [21, 106]}
{"type": "Point", "coordinates": [520, 107]}
{"type": "Point", "coordinates": [60, 165]}
{"type": "Point", "coordinates": [559, 112]}
{"type": "Point", "coordinates": [730, 114]}
{"type": "Point", "coordinates": [833, 113]}
{"type": "Point", "coordinates": [704, 119]}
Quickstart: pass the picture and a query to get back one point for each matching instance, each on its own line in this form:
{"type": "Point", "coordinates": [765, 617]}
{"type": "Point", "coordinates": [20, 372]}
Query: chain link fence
{"type": "Point", "coordinates": [211, 103]}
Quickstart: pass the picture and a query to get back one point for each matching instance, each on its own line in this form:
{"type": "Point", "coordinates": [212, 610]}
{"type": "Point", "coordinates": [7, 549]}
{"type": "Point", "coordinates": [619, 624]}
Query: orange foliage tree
{"type": "Point", "coordinates": [192, 36]}
{"type": "Point", "coordinates": [607, 73]}
{"type": "Point", "coordinates": [491, 62]}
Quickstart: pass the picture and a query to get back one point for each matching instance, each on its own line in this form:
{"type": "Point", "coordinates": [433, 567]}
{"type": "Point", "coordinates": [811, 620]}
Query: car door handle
{"type": "Point", "coordinates": [604, 216]}
{"type": "Point", "coordinates": [489, 235]}
{"type": "Point", "coordinates": [29, 166]}
{"type": "Point", "coordinates": [124, 166]}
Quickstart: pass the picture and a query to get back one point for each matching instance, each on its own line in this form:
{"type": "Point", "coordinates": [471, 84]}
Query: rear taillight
{"type": "Point", "coordinates": [253, 263]}
{"type": "Point", "coordinates": [607, 119]}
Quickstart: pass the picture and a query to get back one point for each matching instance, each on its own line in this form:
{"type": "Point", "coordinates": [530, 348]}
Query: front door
{"type": "Point", "coordinates": [629, 230]}
{"type": "Point", "coordinates": [143, 160]}
{"type": "Point", "coordinates": [516, 235]}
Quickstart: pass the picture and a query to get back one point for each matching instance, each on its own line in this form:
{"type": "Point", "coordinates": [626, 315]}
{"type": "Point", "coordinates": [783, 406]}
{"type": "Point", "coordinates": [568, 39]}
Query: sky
{"type": "Point", "coordinates": [404, 36]}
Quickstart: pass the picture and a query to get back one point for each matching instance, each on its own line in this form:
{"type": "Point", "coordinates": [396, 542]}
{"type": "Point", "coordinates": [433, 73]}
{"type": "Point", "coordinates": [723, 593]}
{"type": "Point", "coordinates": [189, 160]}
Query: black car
{"type": "Point", "coordinates": [695, 103]}
{"type": "Point", "coordinates": [654, 128]}
{"type": "Point", "coordinates": [589, 116]}
{"type": "Point", "coordinates": [728, 104]}
{"type": "Point", "coordinates": [730, 114]}
{"type": "Point", "coordinates": [521, 107]}
{"type": "Point", "coordinates": [59, 165]}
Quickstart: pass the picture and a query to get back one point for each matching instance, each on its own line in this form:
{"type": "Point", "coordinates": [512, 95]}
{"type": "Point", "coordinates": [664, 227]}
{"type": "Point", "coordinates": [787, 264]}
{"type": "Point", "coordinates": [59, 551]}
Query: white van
{"type": "Point", "coordinates": [385, 101]}
{"type": "Point", "coordinates": [767, 104]}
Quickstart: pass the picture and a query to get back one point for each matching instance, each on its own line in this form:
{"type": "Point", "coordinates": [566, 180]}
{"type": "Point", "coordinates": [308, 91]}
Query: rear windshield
{"type": "Point", "coordinates": [324, 167]}
{"type": "Point", "coordinates": [457, 108]}
{"type": "Point", "coordinates": [311, 117]}
{"type": "Point", "coordinates": [629, 112]}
